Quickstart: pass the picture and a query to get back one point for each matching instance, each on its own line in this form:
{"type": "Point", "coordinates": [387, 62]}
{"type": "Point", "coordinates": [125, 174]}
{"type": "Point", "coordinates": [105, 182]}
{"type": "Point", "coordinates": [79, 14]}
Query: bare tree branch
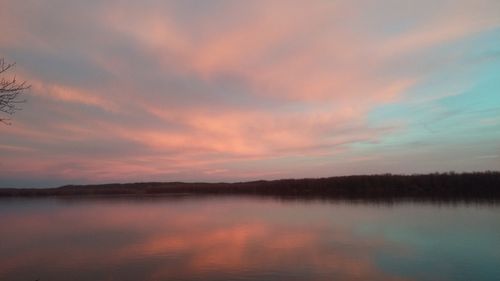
{"type": "Point", "coordinates": [11, 92]}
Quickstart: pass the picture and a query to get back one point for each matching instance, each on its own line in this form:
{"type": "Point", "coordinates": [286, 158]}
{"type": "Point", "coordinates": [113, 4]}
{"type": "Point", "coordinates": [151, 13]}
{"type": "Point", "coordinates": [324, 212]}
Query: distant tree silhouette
{"type": "Point", "coordinates": [11, 92]}
{"type": "Point", "coordinates": [436, 187]}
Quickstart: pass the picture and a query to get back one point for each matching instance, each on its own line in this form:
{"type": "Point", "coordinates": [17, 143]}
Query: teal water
{"type": "Point", "coordinates": [246, 238]}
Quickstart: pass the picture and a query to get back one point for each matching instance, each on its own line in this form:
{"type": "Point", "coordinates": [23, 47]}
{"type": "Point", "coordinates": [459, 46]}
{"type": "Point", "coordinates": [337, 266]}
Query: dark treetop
{"type": "Point", "coordinates": [482, 186]}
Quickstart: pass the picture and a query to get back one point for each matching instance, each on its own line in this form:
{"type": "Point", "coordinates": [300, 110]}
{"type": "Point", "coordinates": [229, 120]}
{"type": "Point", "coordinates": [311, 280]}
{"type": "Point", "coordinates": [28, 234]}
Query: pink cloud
{"type": "Point", "coordinates": [178, 93]}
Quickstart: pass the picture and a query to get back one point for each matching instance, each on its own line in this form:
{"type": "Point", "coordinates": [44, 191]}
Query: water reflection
{"type": "Point", "coordinates": [242, 238]}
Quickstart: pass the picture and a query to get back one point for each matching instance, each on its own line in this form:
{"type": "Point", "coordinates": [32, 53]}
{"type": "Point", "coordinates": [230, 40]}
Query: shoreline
{"type": "Point", "coordinates": [440, 186]}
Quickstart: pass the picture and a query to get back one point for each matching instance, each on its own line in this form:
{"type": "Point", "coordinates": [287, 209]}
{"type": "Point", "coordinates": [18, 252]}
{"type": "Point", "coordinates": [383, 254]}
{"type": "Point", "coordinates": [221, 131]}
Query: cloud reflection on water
{"type": "Point", "coordinates": [188, 240]}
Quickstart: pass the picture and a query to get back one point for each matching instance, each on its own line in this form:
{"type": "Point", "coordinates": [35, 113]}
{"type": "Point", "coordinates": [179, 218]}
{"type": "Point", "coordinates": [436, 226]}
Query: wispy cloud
{"type": "Point", "coordinates": [188, 90]}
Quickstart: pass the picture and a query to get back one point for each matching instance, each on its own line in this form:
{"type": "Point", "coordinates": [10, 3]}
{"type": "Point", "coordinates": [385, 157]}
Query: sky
{"type": "Point", "coordinates": [191, 90]}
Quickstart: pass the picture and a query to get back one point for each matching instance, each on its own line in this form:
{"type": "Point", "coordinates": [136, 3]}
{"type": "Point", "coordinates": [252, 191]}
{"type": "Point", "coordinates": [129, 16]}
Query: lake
{"type": "Point", "coordinates": [246, 238]}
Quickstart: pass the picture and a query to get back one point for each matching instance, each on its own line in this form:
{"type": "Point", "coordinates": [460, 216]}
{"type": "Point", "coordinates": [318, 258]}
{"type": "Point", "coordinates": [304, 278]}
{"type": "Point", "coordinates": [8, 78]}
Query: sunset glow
{"type": "Point", "coordinates": [128, 91]}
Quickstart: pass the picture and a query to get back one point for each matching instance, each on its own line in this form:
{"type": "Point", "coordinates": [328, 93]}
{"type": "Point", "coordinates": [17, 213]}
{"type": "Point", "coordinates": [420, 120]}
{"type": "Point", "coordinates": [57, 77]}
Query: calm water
{"type": "Point", "coordinates": [245, 238]}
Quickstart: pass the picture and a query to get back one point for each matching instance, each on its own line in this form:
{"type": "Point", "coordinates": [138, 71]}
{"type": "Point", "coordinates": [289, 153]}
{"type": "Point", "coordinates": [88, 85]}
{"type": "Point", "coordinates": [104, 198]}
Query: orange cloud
{"type": "Point", "coordinates": [150, 89]}
{"type": "Point", "coordinates": [71, 94]}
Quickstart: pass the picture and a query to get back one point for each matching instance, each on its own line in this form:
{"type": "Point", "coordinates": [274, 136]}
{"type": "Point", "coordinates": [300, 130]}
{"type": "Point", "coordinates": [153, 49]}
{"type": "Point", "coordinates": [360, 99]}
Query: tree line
{"type": "Point", "coordinates": [484, 186]}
